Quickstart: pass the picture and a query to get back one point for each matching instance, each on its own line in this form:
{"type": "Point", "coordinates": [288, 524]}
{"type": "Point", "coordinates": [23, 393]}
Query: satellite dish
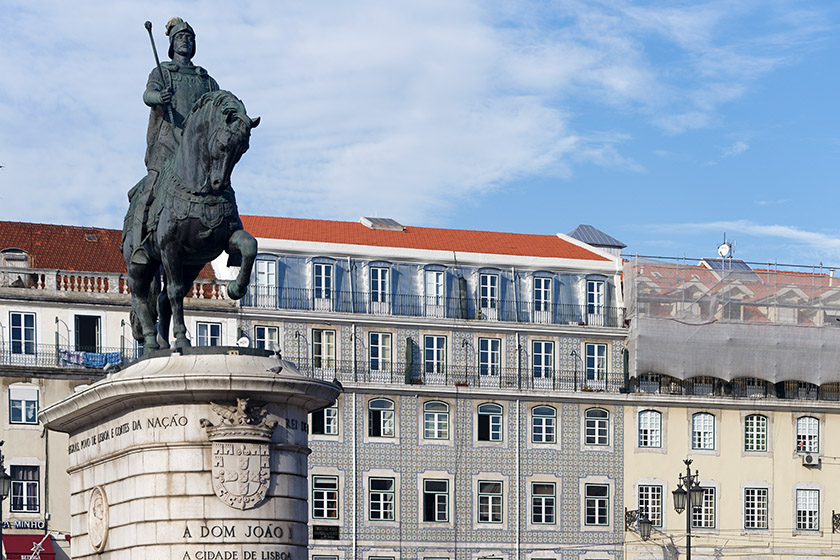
{"type": "Point", "coordinates": [724, 249]}
{"type": "Point", "coordinates": [243, 342]}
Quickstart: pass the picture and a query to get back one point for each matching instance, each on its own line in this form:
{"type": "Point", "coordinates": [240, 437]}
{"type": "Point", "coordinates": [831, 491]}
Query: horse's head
{"type": "Point", "coordinates": [227, 129]}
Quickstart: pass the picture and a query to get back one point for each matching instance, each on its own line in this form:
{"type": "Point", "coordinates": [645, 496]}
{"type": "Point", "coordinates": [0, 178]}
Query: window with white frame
{"type": "Point", "coordinates": [543, 503]}
{"type": "Point", "coordinates": [22, 332]}
{"type": "Point", "coordinates": [488, 286]}
{"type": "Point", "coordinates": [323, 348]}
{"type": "Point", "coordinates": [209, 334]}
{"type": "Point", "coordinates": [597, 504]}
{"type": "Point", "coordinates": [435, 420]}
{"type": "Point", "coordinates": [542, 294]}
{"type": "Point", "coordinates": [595, 296]}
{"type": "Point", "coordinates": [703, 431]}
{"type": "Point", "coordinates": [380, 351]}
{"type": "Point", "coordinates": [325, 422]}
{"type": "Point", "coordinates": [703, 517]}
{"type": "Point", "coordinates": [490, 501]}
{"type": "Point", "coordinates": [435, 500]}
{"type": "Point", "coordinates": [542, 358]}
{"type": "Point", "coordinates": [596, 364]}
{"type": "Point", "coordinates": [381, 499]}
{"type": "Point", "coordinates": [265, 282]}
{"type": "Point", "coordinates": [434, 290]}
{"type": "Point", "coordinates": [434, 354]}
{"type": "Point", "coordinates": [379, 286]}
{"type": "Point", "coordinates": [755, 433]}
{"type": "Point", "coordinates": [596, 426]}
{"type": "Point", "coordinates": [807, 434]}
{"type": "Point", "coordinates": [807, 509]}
{"type": "Point", "coordinates": [322, 281]}
{"type": "Point", "coordinates": [381, 418]}
{"type": "Point", "coordinates": [324, 557]}
{"type": "Point", "coordinates": [489, 356]}
{"type": "Point", "coordinates": [650, 503]}
{"type": "Point", "coordinates": [23, 404]}
{"type": "Point", "coordinates": [490, 422]}
{"type": "Point", "coordinates": [650, 428]}
{"type": "Point", "coordinates": [25, 489]}
{"type": "Point", "coordinates": [267, 338]}
{"type": "Point", "coordinates": [325, 497]}
{"type": "Point", "coordinates": [543, 424]}
{"type": "Point", "coordinates": [755, 508]}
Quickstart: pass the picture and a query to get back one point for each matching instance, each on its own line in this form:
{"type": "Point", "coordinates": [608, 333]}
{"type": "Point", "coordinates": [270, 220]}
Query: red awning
{"type": "Point", "coordinates": [19, 547]}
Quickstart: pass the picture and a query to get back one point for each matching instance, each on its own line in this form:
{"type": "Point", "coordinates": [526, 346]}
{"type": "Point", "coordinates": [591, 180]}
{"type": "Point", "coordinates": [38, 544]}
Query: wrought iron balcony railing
{"type": "Point", "coordinates": [400, 373]}
{"type": "Point", "coordinates": [49, 355]}
{"type": "Point", "coordinates": [488, 309]}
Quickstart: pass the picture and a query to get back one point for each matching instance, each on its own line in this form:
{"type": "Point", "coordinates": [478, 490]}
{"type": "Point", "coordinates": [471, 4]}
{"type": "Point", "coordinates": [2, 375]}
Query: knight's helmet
{"type": "Point", "coordinates": [175, 26]}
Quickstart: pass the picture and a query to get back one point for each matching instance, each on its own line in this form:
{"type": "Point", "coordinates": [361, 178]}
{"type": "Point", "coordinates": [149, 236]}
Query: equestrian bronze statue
{"type": "Point", "coordinates": [183, 214]}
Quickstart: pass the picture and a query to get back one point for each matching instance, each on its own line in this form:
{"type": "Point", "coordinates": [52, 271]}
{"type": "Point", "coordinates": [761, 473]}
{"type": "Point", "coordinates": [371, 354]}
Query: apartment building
{"type": "Point", "coordinates": [737, 368]}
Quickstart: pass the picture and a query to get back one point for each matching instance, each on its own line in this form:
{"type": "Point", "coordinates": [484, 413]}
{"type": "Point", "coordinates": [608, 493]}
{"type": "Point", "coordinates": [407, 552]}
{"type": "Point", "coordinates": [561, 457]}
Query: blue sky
{"type": "Point", "coordinates": [664, 124]}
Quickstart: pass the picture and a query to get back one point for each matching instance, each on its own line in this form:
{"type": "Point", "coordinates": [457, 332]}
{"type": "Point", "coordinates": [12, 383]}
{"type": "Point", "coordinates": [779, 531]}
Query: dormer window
{"type": "Point", "coordinates": [17, 258]}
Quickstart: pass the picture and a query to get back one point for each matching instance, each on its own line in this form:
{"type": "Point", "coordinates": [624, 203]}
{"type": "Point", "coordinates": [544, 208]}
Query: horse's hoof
{"type": "Point", "coordinates": [182, 342]}
{"type": "Point", "coordinates": [234, 290]}
{"type": "Point", "coordinates": [150, 346]}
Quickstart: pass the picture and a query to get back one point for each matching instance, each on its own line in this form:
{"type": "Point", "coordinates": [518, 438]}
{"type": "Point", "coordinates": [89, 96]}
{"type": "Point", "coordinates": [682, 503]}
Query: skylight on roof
{"type": "Point", "coordinates": [388, 224]}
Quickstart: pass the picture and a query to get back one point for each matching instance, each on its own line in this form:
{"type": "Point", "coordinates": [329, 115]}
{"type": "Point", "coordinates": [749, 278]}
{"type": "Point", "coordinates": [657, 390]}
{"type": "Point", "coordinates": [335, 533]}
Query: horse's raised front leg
{"type": "Point", "coordinates": [242, 242]}
{"type": "Point", "coordinates": [140, 282]}
{"type": "Point", "coordinates": [175, 290]}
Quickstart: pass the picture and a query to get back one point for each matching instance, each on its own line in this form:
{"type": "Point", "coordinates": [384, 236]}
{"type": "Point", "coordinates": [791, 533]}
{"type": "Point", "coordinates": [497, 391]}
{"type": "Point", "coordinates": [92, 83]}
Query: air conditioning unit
{"type": "Point", "coordinates": [810, 459]}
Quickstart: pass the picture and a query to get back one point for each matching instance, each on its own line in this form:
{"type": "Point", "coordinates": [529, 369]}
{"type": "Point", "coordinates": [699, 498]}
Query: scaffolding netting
{"type": "Point", "coordinates": [722, 318]}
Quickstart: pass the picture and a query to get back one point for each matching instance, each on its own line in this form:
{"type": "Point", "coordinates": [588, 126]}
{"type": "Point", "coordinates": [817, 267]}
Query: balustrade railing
{"type": "Point", "coordinates": [92, 282]}
{"type": "Point", "coordinates": [304, 299]}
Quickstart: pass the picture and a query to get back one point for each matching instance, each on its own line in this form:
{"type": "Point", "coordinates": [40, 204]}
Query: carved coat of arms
{"type": "Point", "coordinates": [241, 454]}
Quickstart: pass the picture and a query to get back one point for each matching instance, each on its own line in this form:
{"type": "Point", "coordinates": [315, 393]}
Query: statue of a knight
{"type": "Point", "coordinates": [171, 92]}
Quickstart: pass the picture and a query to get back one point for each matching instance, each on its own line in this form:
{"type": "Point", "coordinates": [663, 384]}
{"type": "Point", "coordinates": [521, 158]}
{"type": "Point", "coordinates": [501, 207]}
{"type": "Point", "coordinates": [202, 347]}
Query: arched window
{"type": "Point", "coordinates": [703, 431]}
{"type": "Point", "coordinates": [490, 422]}
{"type": "Point", "coordinates": [381, 418]}
{"type": "Point", "coordinates": [543, 424]}
{"type": "Point", "coordinates": [435, 420]}
{"type": "Point", "coordinates": [755, 433]}
{"type": "Point", "coordinates": [650, 428]}
{"type": "Point", "coordinates": [807, 435]}
{"type": "Point", "coordinates": [597, 426]}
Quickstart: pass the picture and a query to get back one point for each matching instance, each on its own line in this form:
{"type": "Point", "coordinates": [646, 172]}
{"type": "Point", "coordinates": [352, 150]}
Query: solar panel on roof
{"type": "Point", "coordinates": [731, 267]}
{"type": "Point", "coordinates": [594, 236]}
{"type": "Point", "coordinates": [389, 224]}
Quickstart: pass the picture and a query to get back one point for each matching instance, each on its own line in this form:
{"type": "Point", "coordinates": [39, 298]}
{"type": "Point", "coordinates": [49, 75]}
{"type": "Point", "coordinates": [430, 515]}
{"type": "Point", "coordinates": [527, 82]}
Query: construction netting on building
{"type": "Point", "coordinates": [725, 319]}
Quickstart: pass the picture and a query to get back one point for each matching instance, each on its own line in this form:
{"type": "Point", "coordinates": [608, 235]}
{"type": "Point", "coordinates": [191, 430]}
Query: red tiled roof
{"type": "Point", "coordinates": [69, 248]}
{"type": "Point", "coordinates": [465, 241]}
{"type": "Point", "coordinates": [65, 247]}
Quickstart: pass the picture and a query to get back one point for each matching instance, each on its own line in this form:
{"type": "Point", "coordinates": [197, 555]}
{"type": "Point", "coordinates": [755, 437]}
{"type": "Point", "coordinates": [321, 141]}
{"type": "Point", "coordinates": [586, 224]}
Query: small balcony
{"type": "Point", "coordinates": [27, 354]}
{"type": "Point", "coordinates": [476, 309]}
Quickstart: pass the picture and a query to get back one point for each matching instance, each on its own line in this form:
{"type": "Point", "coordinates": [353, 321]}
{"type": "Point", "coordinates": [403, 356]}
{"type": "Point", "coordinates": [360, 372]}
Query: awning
{"type": "Point", "coordinates": [20, 547]}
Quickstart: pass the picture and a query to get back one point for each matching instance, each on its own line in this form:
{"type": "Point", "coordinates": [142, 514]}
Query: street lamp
{"type": "Point", "coordinates": [5, 486]}
{"type": "Point", "coordinates": [640, 518]}
{"type": "Point", "coordinates": [688, 490]}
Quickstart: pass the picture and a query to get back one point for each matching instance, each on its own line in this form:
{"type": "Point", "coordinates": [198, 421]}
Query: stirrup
{"type": "Point", "coordinates": [139, 256]}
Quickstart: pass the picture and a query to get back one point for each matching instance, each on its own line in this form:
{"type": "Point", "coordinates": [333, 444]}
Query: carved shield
{"type": "Point", "coordinates": [241, 473]}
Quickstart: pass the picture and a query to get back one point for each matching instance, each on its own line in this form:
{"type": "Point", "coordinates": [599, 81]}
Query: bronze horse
{"type": "Point", "coordinates": [192, 219]}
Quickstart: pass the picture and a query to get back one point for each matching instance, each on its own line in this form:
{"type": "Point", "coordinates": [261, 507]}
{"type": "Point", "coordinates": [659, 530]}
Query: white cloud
{"type": "Point", "coordinates": [401, 108]}
{"type": "Point", "coordinates": [735, 149]}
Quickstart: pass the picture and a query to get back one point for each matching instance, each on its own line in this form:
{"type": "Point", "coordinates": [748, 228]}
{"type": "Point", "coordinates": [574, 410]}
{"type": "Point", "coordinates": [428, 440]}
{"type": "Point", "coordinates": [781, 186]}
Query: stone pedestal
{"type": "Point", "coordinates": [200, 456]}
